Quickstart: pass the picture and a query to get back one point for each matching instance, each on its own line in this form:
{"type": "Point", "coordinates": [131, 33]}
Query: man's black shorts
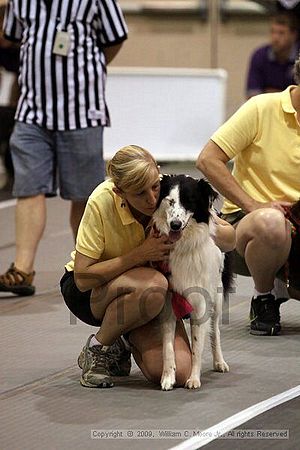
{"type": "Point", "coordinates": [78, 302]}
{"type": "Point", "coordinates": [292, 269]}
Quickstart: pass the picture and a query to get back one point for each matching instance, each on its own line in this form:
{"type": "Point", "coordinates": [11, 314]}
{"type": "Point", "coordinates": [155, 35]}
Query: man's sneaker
{"type": "Point", "coordinates": [17, 282]}
{"type": "Point", "coordinates": [120, 360]}
{"type": "Point", "coordinates": [94, 363]}
{"type": "Point", "coordinates": [264, 316]}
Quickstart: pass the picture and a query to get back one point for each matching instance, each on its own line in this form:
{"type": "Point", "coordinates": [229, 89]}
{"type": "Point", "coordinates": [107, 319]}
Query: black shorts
{"type": "Point", "coordinates": [292, 269]}
{"type": "Point", "coordinates": [78, 302]}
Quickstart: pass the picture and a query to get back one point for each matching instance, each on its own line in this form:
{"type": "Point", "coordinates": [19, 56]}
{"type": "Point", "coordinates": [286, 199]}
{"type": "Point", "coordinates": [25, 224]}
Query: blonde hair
{"type": "Point", "coordinates": [130, 168]}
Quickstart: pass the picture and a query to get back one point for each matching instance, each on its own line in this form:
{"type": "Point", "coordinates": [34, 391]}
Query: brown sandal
{"type": "Point", "coordinates": [17, 282]}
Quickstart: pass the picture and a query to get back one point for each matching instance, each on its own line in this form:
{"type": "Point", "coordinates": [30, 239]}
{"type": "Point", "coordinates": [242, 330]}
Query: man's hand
{"type": "Point", "coordinates": [282, 206]}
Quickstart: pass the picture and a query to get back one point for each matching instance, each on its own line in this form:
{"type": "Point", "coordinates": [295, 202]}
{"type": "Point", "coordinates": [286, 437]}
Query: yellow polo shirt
{"type": "Point", "coordinates": [106, 230]}
{"type": "Point", "coordinates": [263, 137]}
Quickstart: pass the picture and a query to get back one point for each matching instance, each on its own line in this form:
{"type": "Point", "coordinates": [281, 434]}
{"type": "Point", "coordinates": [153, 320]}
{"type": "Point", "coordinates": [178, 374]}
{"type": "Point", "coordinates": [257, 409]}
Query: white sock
{"type": "Point", "coordinates": [94, 341]}
{"type": "Point", "coordinates": [280, 289]}
{"type": "Point", "coordinates": [126, 343]}
{"type": "Point", "coordinates": [257, 293]}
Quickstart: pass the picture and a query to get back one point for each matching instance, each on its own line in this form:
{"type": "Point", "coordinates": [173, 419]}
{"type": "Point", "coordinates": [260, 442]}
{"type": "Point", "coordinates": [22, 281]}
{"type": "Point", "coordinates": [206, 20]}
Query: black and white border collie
{"type": "Point", "coordinates": [195, 269]}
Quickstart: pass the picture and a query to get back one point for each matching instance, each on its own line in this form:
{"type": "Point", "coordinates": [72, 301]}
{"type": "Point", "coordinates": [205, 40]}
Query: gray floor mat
{"type": "Point", "coordinates": [42, 403]}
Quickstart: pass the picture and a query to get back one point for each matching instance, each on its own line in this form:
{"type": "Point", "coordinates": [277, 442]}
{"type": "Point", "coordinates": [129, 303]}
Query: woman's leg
{"type": "Point", "coordinates": [128, 302]}
{"type": "Point", "coordinates": [146, 344]}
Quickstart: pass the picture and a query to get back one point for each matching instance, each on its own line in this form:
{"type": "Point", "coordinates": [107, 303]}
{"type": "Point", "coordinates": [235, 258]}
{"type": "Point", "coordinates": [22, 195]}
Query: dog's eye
{"type": "Point", "coordinates": [169, 201]}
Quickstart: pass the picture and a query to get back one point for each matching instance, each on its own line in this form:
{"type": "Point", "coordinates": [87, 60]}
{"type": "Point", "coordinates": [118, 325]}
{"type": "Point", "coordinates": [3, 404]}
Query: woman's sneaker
{"type": "Point", "coordinates": [265, 316]}
{"type": "Point", "coordinates": [94, 363]}
{"type": "Point", "coordinates": [98, 365]}
{"type": "Point", "coordinates": [120, 361]}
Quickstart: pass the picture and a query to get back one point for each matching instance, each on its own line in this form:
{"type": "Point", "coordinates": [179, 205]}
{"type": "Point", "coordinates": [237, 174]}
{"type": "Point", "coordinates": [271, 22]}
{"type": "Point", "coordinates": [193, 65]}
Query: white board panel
{"type": "Point", "coordinates": [7, 80]}
{"type": "Point", "coordinates": [171, 112]}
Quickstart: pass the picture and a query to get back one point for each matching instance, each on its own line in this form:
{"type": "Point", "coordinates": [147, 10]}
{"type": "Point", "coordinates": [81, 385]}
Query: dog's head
{"type": "Point", "coordinates": [182, 198]}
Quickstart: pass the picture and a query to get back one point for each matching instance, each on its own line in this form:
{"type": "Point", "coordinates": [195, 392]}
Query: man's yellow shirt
{"type": "Point", "coordinates": [263, 138]}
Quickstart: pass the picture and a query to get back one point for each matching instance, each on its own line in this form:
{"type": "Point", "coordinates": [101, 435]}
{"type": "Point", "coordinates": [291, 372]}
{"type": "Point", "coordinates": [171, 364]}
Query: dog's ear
{"type": "Point", "coordinates": [207, 192]}
{"type": "Point", "coordinates": [164, 187]}
{"type": "Point", "coordinates": [206, 197]}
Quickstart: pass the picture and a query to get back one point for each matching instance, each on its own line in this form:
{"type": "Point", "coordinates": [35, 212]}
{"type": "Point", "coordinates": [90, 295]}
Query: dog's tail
{"type": "Point", "coordinates": [227, 274]}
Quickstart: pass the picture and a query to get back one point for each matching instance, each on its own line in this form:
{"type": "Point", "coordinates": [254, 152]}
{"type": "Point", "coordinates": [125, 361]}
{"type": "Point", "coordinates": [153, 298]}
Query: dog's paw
{"type": "Point", "coordinates": [221, 366]}
{"type": "Point", "coordinates": [168, 380]}
{"type": "Point", "coordinates": [193, 383]}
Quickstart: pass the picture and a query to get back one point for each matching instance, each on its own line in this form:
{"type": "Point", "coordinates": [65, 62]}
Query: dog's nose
{"type": "Point", "coordinates": [175, 225]}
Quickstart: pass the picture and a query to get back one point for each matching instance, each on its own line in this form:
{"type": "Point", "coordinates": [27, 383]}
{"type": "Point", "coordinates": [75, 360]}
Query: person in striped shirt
{"type": "Point", "coordinates": [57, 139]}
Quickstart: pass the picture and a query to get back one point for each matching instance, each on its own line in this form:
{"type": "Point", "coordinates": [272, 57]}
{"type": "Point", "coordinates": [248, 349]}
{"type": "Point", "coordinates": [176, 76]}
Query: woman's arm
{"type": "Point", "coordinates": [90, 273]}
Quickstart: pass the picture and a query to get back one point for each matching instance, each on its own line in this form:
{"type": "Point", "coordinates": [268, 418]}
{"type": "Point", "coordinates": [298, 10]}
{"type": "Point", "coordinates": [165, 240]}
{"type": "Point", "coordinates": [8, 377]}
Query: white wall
{"type": "Point", "coordinates": [171, 112]}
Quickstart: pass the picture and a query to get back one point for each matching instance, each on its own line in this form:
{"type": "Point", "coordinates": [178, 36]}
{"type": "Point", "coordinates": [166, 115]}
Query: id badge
{"type": "Point", "coordinates": [62, 43]}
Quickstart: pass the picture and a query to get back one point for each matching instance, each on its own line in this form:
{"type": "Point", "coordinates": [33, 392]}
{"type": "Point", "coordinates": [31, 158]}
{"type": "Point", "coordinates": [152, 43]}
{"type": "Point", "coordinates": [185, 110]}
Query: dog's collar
{"type": "Point", "coordinates": [181, 306]}
{"type": "Point", "coordinates": [164, 268]}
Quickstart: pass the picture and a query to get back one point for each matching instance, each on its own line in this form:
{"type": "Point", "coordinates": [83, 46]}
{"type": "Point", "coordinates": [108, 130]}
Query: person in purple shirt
{"type": "Point", "coordinates": [271, 66]}
{"type": "Point", "coordinates": [289, 5]}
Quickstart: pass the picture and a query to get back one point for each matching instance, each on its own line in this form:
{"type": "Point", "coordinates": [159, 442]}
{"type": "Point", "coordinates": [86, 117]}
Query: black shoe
{"type": "Point", "coordinates": [265, 316]}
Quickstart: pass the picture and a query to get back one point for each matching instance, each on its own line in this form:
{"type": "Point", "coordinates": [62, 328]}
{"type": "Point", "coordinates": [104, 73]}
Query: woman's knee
{"type": "Point", "coordinates": [151, 365]}
{"type": "Point", "coordinates": [183, 367]}
{"type": "Point", "coordinates": [183, 371]}
{"type": "Point", "coordinates": [153, 376]}
{"type": "Point", "coordinates": [152, 292]}
{"type": "Point", "coordinates": [148, 359]}
{"type": "Point", "coordinates": [153, 279]}
{"type": "Point", "coordinates": [148, 351]}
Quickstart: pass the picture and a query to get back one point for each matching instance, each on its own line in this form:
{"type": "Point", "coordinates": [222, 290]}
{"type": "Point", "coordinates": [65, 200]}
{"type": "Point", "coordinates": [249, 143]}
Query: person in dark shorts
{"type": "Point", "coordinates": [263, 139]}
{"type": "Point", "coordinates": [109, 283]}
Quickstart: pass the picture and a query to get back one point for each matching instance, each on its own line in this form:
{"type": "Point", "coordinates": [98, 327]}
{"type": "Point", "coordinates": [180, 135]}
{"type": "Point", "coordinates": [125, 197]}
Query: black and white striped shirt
{"type": "Point", "coordinates": [64, 92]}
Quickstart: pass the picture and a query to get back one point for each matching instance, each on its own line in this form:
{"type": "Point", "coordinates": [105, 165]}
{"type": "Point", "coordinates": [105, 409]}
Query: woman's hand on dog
{"type": "Point", "coordinates": [155, 248]}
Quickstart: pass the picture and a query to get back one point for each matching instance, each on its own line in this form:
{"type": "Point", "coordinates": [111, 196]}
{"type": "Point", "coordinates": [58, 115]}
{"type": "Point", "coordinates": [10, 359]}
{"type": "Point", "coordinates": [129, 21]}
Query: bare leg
{"type": "Point", "coordinates": [76, 212]}
{"type": "Point", "coordinates": [148, 351]}
{"type": "Point", "coordinates": [132, 303]}
{"type": "Point", "coordinates": [128, 302]}
{"type": "Point", "coordinates": [30, 224]}
{"type": "Point", "coordinates": [264, 239]}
